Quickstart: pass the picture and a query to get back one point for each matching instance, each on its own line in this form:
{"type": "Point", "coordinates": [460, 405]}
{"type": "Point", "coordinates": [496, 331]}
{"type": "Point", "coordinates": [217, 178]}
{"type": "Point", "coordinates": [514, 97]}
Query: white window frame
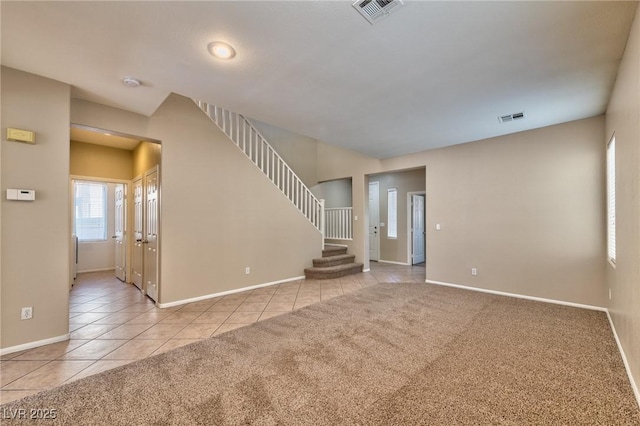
{"type": "Point", "coordinates": [392, 213]}
{"type": "Point", "coordinates": [100, 211]}
{"type": "Point", "coordinates": [611, 200]}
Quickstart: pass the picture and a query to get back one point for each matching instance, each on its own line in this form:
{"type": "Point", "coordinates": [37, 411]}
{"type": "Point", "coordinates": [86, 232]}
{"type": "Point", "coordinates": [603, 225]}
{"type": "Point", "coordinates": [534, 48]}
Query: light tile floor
{"type": "Point", "coordinates": [112, 324]}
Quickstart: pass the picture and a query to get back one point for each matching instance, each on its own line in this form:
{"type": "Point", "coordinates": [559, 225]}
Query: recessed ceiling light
{"type": "Point", "coordinates": [221, 50]}
{"type": "Point", "coordinates": [131, 82]}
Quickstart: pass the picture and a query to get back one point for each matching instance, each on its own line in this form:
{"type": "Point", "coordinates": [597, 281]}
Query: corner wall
{"type": "Point", "coordinates": [220, 214]}
{"type": "Point", "coordinates": [35, 235]}
{"type": "Point", "coordinates": [145, 157]}
{"type": "Point", "coordinates": [526, 209]}
{"type": "Point", "coordinates": [623, 119]}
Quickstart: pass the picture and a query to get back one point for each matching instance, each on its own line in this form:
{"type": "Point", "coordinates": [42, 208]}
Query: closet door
{"type": "Point", "coordinates": [138, 234]}
{"type": "Point", "coordinates": [151, 214]}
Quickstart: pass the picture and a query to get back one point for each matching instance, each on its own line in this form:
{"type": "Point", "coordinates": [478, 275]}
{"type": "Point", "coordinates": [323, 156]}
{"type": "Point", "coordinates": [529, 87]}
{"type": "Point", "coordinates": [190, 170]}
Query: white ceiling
{"type": "Point", "coordinates": [430, 75]}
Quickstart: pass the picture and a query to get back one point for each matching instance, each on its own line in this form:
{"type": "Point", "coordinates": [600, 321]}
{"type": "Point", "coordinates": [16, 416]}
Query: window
{"type": "Point", "coordinates": [392, 213]}
{"type": "Point", "coordinates": [90, 206]}
{"type": "Point", "coordinates": [611, 200]}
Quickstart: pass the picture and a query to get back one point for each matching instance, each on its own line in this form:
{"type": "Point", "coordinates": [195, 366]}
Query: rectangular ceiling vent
{"type": "Point", "coordinates": [374, 10]}
{"type": "Point", "coordinates": [511, 117]}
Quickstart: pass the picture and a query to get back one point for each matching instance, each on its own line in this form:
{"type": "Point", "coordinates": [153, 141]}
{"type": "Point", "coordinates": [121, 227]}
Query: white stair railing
{"type": "Point", "coordinates": [339, 225]}
{"type": "Point", "coordinates": [261, 153]}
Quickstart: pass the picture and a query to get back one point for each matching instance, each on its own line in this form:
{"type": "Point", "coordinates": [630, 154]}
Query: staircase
{"type": "Point", "coordinates": [334, 263]}
{"type": "Point", "coordinates": [247, 138]}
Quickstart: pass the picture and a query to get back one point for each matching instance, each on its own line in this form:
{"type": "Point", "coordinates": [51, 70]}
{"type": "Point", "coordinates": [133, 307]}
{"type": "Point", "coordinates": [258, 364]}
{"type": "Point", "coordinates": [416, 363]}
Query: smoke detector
{"type": "Point", "coordinates": [374, 10]}
{"type": "Point", "coordinates": [511, 117]}
{"type": "Point", "coordinates": [131, 82]}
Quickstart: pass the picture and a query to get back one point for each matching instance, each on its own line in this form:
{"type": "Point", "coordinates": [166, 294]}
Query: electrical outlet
{"type": "Point", "coordinates": [247, 270]}
{"type": "Point", "coordinates": [26, 313]}
{"type": "Point", "coordinates": [474, 271]}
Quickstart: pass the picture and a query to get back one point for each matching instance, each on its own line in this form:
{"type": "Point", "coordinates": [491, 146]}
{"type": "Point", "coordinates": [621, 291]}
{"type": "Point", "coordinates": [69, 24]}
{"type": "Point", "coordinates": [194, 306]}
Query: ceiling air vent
{"type": "Point", "coordinates": [374, 10]}
{"type": "Point", "coordinates": [511, 117]}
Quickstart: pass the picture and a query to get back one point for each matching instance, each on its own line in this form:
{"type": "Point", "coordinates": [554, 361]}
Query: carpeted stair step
{"type": "Point", "coordinates": [329, 251]}
{"type": "Point", "coordinates": [329, 272]}
{"type": "Point", "coordinates": [341, 259]}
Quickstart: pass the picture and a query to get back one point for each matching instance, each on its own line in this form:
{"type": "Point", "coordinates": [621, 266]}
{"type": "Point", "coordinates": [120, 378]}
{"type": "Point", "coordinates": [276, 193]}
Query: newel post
{"type": "Point", "coordinates": [322, 224]}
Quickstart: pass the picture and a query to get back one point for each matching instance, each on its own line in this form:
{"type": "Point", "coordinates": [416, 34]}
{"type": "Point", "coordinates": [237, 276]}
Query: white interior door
{"type": "Point", "coordinates": [120, 230]}
{"type": "Point", "coordinates": [151, 234]}
{"type": "Point", "coordinates": [418, 228]}
{"type": "Point", "coordinates": [374, 220]}
{"type": "Point", "coordinates": [138, 234]}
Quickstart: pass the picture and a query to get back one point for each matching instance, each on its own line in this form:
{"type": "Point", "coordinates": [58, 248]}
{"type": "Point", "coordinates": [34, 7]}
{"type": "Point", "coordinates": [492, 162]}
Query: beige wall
{"type": "Point", "coordinates": [102, 117]}
{"type": "Point", "coordinates": [335, 193]}
{"type": "Point", "coordinates": [145, 156]}
{"type": "Point", "coordinates": [35, 235]}
{"type": "Point", "coordinates": [623, 118]}
{"type": "Point", "coordinates": [298, 151]}
{"type": "Point", "coordinates": [220, 214]}
{"type": "Point", "coordinates": [395, 249]}
{"type": "Point", "coordinates": [100, 161]}
{"type": "Point", "coordinates": [526, 210]}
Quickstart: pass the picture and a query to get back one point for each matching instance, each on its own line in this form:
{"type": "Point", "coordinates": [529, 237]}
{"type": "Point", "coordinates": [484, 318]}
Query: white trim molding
{"type": "Point", "coordinates": [519, 296]}
{"type": "Point", "coordinates": [627, 367]}
{"type": "Point", "coordinates": [31, 345]}
{"type": "Point", "coordinates": [224, 293]}
{"type": "Point", "coordinates": [95, 270]}
{"type": "Point", "coordinates": [393, 262]}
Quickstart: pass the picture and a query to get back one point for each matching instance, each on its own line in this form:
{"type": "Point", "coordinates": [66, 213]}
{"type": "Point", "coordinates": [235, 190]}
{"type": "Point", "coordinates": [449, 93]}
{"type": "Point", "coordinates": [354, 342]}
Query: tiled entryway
{"type": "Point", "coordinates": [112, 324]}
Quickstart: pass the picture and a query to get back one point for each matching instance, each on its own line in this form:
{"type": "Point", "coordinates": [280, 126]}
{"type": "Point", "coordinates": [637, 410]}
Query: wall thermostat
{"type": "Point", "coordinates": [21, 194]}
{"type": "Point", "coordinates": [20, 135]}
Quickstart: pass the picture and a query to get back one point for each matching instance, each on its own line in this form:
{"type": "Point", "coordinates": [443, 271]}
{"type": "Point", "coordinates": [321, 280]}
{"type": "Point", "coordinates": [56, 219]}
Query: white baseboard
{"type": "Point", "coordinates": [31, 345]}
{"type": "Point", "coordinates": [393, 263]}
{"type": "Point", "coordinates": [627, 367]}
{"type": "Point", "coordinates": [367, 270]}
{"type": "Point", "coordinates": [224, 293]}
{"type": "Point", "coordinates": [336, 245]}
{"type": "Point", "coordinates": [95, 270]}
{"type": "Point", "coordinates": [519, 296]}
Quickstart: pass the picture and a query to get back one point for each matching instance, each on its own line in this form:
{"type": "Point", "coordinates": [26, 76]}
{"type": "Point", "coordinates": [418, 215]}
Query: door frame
{"type": "Point", "coordinates": [127, 184]}
{"type": "Point", "coordinates": [410, 225]}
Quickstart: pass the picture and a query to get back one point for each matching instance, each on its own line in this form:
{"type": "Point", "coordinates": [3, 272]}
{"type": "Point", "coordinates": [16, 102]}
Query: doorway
{"type": "Point", "coordinates": [130, 162]}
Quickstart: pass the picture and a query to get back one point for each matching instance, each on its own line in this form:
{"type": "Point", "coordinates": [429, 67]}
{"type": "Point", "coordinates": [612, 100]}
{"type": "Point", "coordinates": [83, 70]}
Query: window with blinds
{"type": "Point", "coordinates": [611, 200]}
{"type": "Point", "coordinates": [90, 205]}
{"type": "Point", "coordinates": [392, 213]}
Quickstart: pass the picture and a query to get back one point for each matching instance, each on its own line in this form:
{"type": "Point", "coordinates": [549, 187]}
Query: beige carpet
{"type": "Point", "coordinates": [389, 354]}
